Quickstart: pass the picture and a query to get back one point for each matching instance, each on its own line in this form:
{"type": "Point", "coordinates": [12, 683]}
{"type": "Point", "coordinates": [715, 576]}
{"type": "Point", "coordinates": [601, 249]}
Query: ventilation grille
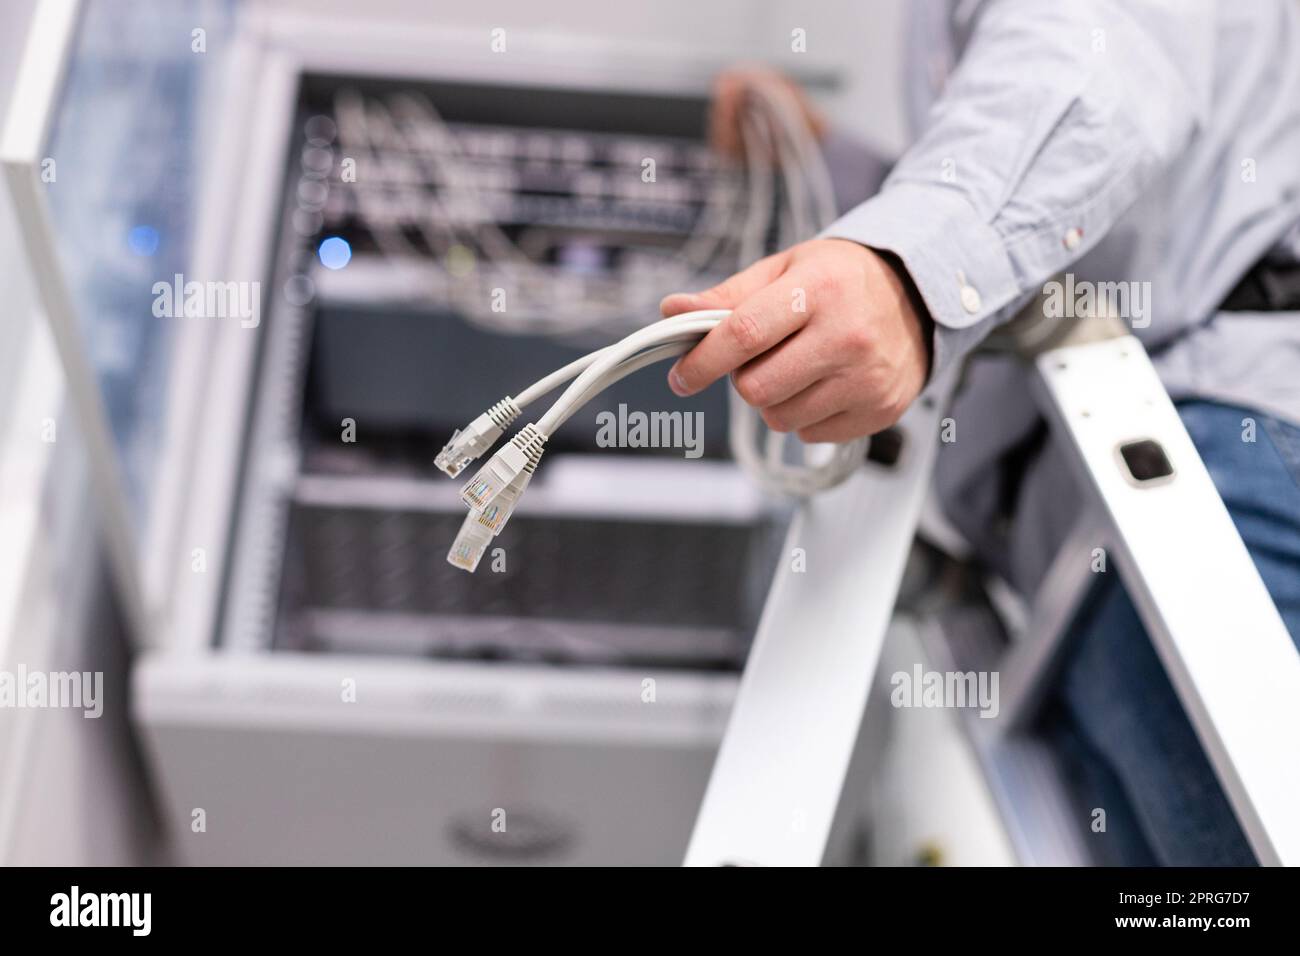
{"type": "Point", "coordinates": [577, 588]}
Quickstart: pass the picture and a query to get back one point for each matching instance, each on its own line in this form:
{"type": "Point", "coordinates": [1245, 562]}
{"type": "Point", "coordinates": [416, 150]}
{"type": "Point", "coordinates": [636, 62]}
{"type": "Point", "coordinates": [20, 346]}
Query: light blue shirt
{"type": "Point", "coordinates": [1145, 141]}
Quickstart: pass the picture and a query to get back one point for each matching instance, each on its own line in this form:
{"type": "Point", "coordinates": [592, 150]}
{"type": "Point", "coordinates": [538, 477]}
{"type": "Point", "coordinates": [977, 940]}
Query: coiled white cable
{"type": "Point", "coordinates": [772, 127]}
{"type": "Point", "coordinates": [627, 367]}
{"type": "Point", "coordinates": [690, 326]}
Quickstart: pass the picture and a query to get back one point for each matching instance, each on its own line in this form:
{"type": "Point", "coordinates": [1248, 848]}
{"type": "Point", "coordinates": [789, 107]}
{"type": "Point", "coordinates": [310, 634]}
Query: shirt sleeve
{"type": "Point", "coordinates": [856, 169]}
{"type": "Point", "coordinates": [1054, 120]}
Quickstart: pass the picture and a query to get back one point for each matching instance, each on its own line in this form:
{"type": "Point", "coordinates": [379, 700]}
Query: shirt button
{"type": "Point", "coordinates": [1073, 236]}
{"type": "Point", "coordinates": [970, 299]}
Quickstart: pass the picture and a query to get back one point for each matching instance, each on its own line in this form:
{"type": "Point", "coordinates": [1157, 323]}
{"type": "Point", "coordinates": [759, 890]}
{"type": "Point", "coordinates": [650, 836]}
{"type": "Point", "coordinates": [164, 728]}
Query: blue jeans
{"type": "Point", "coordinates": [1137, 754]}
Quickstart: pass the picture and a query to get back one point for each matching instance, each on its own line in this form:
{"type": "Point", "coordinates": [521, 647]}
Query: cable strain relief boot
{"type": "Point", "coordinates": [532, 443]}
{"type": "Point", "coordinates": [504, 412]}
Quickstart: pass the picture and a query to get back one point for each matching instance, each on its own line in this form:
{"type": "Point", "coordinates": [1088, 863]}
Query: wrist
{"type": "Point", "coordinates": [914, 306]}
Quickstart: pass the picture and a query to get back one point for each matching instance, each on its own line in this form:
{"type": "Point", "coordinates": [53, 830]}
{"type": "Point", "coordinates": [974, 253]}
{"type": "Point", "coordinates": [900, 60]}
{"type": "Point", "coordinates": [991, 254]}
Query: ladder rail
{"type": "Point", "coordinates": [777, 784]}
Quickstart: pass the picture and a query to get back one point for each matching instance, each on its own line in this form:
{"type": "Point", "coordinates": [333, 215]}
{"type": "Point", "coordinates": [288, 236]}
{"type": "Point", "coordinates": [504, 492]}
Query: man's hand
{"type": "Point", "coordinates": [826, 339]}
{"type": "Point", "coordinates": [731, 91]}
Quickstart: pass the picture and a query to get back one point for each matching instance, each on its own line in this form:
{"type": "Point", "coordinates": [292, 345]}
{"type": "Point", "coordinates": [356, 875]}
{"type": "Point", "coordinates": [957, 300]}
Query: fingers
{"type": "Point", "coordinates": [730, 293]}
{"type": "Point", "coordinates": [781, 373]}
{"type": "Point", "coordinates": [815, 340]}
{"type": "Point", "coordinates": [816, 403]}
{"type": "Point", "coordinates": [754, 326]}
{"type": "Point", "coordinates": [840, 427]}
{"type": "Point", "coordinates": [829, 410]}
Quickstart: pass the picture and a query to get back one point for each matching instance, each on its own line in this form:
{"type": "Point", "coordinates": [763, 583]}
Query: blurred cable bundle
{"type": "Point", "coordinates": [534, 229]}
{"type": "Point", "coordinates": [788, 197]}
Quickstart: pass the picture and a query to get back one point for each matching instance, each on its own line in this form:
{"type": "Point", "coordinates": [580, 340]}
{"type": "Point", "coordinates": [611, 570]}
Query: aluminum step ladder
{"type": "Point", "coordinates": [777, 795]}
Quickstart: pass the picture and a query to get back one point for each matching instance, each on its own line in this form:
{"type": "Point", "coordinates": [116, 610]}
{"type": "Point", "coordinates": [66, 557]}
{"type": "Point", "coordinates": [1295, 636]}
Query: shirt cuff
{"type": "Point", "coordinates": [957, 262]}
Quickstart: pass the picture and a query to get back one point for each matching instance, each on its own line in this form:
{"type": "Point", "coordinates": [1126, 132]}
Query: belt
{"type": "Point", "coordinates": [1270, 286]}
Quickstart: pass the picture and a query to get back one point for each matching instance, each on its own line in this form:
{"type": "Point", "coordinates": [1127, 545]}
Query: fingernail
{"type": "Point", "coordinates": [677, 383]}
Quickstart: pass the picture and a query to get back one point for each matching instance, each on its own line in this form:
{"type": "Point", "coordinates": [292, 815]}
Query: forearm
{"type": "Point", "coordinates": [1055, 119]}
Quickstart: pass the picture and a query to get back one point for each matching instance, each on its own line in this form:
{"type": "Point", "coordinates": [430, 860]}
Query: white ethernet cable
{"type": "Point", "coordinates": [496, 488]}
{"type": "Point", "coordinates": [493, 492]}
{"type": "Point", "coordinates": [689, 326]}
{"type": "Point", "coordinates": [469, 443]}
{"type": "Point", "coordinates": [626, 368]}
{"type": "Point", "coordinates": [480, 526]}
{"type": "Point", "coordinates": [525, 449]}
{"type": "Point", "coordinates": [495, 515]}
{"type": "Point", "coordinates": [470, 544]}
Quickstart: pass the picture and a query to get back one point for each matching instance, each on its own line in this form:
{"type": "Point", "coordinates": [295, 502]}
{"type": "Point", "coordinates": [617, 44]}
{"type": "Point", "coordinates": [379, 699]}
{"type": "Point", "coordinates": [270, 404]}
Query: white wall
{"type": "Point", "coordinates": [863, 42]}
{"type": "Point", "coordinates": [858, 39]}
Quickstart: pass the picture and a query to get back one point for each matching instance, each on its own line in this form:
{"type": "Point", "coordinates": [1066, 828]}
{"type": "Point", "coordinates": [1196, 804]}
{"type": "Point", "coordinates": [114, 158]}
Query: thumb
{"type": "Point", "coordinates": [679, 302]}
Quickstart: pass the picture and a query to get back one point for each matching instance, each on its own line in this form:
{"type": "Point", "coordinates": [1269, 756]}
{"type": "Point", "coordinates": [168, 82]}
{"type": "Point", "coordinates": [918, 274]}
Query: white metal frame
{"type": "Point", "coordinates": [39, 81]}
{"type": "Point", "coordinates": [775, 793]}
{"type": "Point", "coordinates": [207, 391]}
{"type": "Point", "coordinates": [786, 753]}
{"type": "Point", "coordinates": [1216, 630]}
